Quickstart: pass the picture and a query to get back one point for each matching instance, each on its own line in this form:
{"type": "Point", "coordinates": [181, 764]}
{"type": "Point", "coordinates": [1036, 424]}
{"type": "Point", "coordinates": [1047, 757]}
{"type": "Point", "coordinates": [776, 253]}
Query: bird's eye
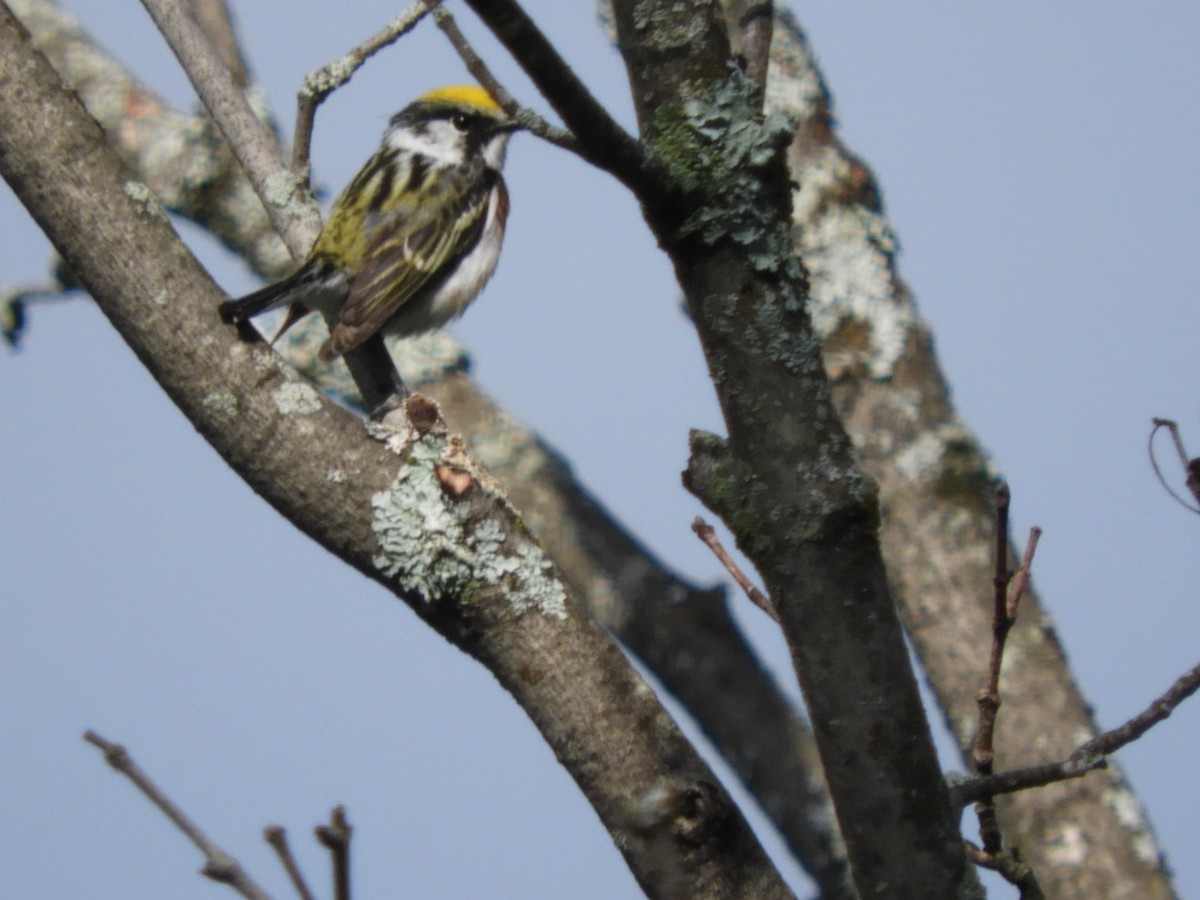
{"type": "Point", "coordinates": [460, 121]}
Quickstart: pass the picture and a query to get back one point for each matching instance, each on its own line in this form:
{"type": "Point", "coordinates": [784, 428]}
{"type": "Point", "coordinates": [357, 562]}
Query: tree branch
{"type": "Point", "coordinates": [320, 83]}
{"type": "Point", "coordinates": [219, 865]}
{"type": "Point", "coordinates": [786, 480]}
{"type": "Point", "coordinates": [179, 157]}
{"type": "Point", "coordinates": [1191, 467]}
{"type": "Point", "coordinates": [560, 667]}
{"type": "Point", "coordinates": [289, 205]}
{"type": "Point", "coordinates": [602, 142]}
{"type": "Point", "coordinates": [336, 838]}
{"type": "Point", "coordinates": [937, 487]}
{"type": "Point", "coordinates": [682, 632]}
{"type": "Point", "coordinates": [1089, 756]}
{"type": "Point", "coordinates": [277, 838]}
{"type": "Point", "coordinates": [214, 20]}
{"type": "Point", "coordinates": [479, 70]}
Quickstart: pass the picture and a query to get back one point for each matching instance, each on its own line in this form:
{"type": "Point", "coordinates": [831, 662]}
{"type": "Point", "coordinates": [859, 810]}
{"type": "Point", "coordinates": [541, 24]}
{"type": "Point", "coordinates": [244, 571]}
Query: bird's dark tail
{"type": "Point", "coordinates": [268, 297]}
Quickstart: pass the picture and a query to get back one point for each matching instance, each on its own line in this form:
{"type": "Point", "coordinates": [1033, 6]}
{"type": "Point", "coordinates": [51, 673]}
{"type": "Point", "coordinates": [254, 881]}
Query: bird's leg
{"type": "Point", "coordinates": [375, 374]}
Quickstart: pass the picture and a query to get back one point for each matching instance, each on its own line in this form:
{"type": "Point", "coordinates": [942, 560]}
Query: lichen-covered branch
{"type": "Point", "coordinates": [936, 490]}
{"type": "Point", "coordinates": [327, 476]}
{"type": "Point", "coordinates": [785, 480]}
{"type": "Point", "coordinates": [286, 198]}
{"type": "Point", "coordinates": [684, 633]}
{"type": "Point", "coordinates": [321, 82]}
{"type": "Point", "coordinates": [181, 158]}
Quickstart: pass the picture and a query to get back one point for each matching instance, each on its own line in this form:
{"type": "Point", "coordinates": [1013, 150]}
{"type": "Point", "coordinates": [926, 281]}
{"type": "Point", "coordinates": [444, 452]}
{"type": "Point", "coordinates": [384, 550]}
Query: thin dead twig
{"type": "Point", "coordinates": [336, 837]}
{"type": "Point", "coordinates": [1191, 467]}
{"type": "Point", "coordinates": [320, 83]}
{"type": "Point", "coordinates": [1007, 595]}
{"type": "Point", "coordinates": [479, 70]}
{"type": "Point", "coordinates": [219, 865]}
{"type": "Point", "coordinates": [277, 838]}
{"type": "Point", "coordinates": [1092, 754]}
{"type": "Point", "coordinates": [706, 533]}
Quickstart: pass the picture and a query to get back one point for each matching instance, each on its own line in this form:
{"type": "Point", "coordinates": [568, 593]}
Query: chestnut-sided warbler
{"type": "Point", "coordinates": [415, 236]}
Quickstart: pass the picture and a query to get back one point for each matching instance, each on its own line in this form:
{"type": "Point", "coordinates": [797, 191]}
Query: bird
{"type": "Point", "coordinates": [413, 238]}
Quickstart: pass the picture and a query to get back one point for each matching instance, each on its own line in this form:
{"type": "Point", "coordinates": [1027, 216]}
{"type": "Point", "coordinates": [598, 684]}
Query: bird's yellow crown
{"type": "Point", "coordinates": [468, 95]}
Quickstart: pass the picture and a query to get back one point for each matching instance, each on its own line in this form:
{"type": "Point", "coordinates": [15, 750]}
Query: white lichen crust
{"type": "Point", "coordinates": [437, 546]}
{"type": "Point", "coordinates": [848, 245]}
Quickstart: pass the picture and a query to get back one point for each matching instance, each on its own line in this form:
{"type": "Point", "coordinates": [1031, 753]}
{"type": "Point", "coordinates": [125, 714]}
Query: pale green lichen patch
{"type": "Point", "coordinates": [321, 81]}
{"type": "Point", "coordinates": [282, 186]}
{"type": "Point", "coordinates": [144, 198]}
{"type": "Point", "coordinates": [433, 546]}
{"type": "Point", "coordinates": [799, 351]}
{"type": "Point", "coordinates": [264, 360]}
{"type": "Point", "coordinates": [221, 402]}
{"type": "Point", "coordinates": [296, 398]}
{"type": "Point", "coordinates": [731, 148]}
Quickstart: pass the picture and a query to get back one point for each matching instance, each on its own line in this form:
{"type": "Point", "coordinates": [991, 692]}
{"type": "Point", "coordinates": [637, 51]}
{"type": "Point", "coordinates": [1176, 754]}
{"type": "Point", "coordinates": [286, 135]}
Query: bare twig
{"type": "Point", "coordinates": [1010, 867]}
{"type": "Point", "coordinates": [1005, 605]}
{"type": "Point", "coordinates": [219, 865]}
{"type": "Point", "coordinates": [320, 83]}
{"type": "Point", "coordinates": [336, 836]}
{"type": "Point", "coordinates": [292, 212]}
{"type": "Point", "coordinates": [215, 21]}
{"type": "Point", "coordinates": [479, 70]}
{"type": "Point", "coordinates": [472, 60]}
{"type": "Point", "coordinates": [1161, 708]}
{"type": "Point", "coordinates": [1191, 467]}
{"type": "Point", "coordinates": [706, 533]}
{"type": "Point", "coordinates": [602, 142]}
{"type": "Point", "coordinates": [277, 838]}
{"type": "Point", "coordinates": [1021, 580]}
{"type": "Point", "coordinates": [983, 753]}
{"type": "Point", "coordinates": [1088, 756]}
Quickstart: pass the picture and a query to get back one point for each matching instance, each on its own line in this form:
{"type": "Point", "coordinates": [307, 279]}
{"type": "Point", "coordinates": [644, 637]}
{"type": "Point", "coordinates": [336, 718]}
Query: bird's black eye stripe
{"type": "Point", "coordinates": [461, 121]}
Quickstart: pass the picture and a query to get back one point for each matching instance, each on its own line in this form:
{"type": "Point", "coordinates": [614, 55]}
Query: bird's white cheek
{"type": "Point", "coordinates": [437, 140]}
